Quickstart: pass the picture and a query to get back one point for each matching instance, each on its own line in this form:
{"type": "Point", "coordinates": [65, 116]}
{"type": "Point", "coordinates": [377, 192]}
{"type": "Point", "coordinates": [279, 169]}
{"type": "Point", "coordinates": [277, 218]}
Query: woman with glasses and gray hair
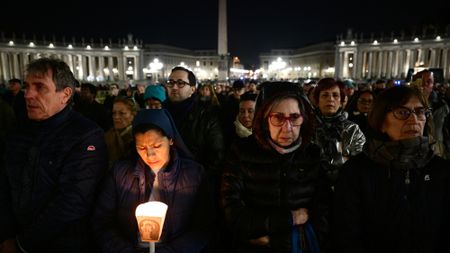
{"type": "Point", "coordinates": [274, 191]}
{"type": "Point", "coordinates": [394, 196]}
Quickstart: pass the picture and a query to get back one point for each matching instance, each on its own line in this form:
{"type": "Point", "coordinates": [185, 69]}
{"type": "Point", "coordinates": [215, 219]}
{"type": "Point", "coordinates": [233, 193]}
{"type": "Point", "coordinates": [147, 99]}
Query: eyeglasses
{"type": "Point", "coordinates": [403, 113]}
{"type": "Point", "coordinates": [180, 83]}
{"type": "Point", "coordinates": [278, 119]}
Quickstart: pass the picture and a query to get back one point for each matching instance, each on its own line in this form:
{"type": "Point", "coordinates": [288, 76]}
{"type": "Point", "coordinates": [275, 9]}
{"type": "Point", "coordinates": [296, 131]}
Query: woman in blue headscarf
{"type": "Point", "coordinates": [162, 171]}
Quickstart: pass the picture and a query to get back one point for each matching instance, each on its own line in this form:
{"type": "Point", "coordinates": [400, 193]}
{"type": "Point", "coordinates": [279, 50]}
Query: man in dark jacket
{"type": "Point", "coordinates": [199, 126]}
{"type": "Point", "coordinates": [52, 168]}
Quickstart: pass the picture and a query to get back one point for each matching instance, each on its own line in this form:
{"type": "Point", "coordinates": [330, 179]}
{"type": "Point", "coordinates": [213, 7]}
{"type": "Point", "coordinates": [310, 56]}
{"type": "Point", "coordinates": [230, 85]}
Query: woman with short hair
{"type": "Point", "coordinates": [395, 196]}
{"type": "Point", "coordinates": [337, 137]}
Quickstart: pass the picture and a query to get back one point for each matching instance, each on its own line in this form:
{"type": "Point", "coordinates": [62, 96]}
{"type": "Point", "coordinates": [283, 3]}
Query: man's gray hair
{"type": "Point", "coordinates": [62, 76]}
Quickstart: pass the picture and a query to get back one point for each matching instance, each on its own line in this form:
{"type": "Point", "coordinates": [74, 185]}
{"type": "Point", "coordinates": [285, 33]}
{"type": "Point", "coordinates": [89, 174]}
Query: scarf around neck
{"type": "Point", "coordinates": [285, 150]}
{"type": "Point", "coordinates": [408, 154]}
{"type": "Point", "coordinates": [241, 130]}
{"type": "Point", "coordinates": [180, 110]}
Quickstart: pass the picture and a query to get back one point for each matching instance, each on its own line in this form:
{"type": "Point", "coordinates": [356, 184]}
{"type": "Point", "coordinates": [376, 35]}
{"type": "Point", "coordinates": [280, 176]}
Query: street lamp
{"type": "Point", "coordinates": [277, 65]}
{"type": "Point", "coordinates": [155, 67]}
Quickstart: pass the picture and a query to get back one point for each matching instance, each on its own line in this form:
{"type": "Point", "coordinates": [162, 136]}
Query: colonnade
{"type": "Point", "coordinates": [86, 65]}
{"type": "Point", "coordinates": [367, 61]}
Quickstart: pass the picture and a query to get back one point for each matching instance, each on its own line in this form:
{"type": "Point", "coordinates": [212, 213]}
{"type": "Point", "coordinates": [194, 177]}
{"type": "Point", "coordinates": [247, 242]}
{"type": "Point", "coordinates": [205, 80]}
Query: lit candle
{"type": "Point", "coordinates": [150, 218]}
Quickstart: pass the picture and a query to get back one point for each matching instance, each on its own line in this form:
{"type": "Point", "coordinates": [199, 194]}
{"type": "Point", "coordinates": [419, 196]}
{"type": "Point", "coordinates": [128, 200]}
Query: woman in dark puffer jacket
{"type": "Point", "coordinates": [164, 171]}
{"type": "Point", "coordinates": [274, 188]}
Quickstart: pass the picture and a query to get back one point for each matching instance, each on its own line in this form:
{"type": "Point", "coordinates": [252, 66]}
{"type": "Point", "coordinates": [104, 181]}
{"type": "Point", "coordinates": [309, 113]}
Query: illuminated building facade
{"type": "Point", "coordinates": [94, 61]}
{"type": "Point", "coordinates": [129, 59]}
{"type": "Point", "coordinates": [396, 57]}
{"type": "Point", "coordinates": [392, 57]}
{"type": "Point", "coordinates": [99, 61]}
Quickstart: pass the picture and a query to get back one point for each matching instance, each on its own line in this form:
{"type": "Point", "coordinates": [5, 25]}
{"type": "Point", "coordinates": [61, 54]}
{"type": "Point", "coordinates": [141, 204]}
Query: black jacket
{"type": "Point", "coordinates": [393, 203]}
{"type": "Point", "coordinates": [261, 187]}
{"type": "Point", "coordinates": [201, 130]}
{"type": "Point", "coordinates": [184, 188]}
{"type": "Point", "coordinates": [49, 181]}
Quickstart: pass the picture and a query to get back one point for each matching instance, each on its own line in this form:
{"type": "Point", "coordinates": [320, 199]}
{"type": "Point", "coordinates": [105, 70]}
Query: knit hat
{"type": "Point", "coordinates": [156, 92]}
{"type": "Point", "coordinates": [270, 90]}
{"type": "Point", "coordinates": [349, 84]}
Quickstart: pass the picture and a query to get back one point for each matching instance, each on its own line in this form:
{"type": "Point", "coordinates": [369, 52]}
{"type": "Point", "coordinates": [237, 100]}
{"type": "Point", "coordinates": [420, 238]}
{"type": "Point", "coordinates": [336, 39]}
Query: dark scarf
{"type": "Point", "coordinates": [180, 110]}
{"type": "Point", "coordinates": [340, 116]}
{"type": "Point", "coordinates": [408, 154]}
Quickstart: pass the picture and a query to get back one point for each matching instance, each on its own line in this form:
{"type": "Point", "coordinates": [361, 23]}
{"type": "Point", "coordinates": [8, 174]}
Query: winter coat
{"type": "Point", "coordinates": [201, 130]}
{"type": "Point", "coordinates": [260, 188]}
{"type": "Point", "coordinates": [49, 181]}
{"type": "Point", "coordinates": [183, 187]}
{"type": "Point", "coordinates": [338, 138]}
{"type": "Point", "coordinates": [394, 197]}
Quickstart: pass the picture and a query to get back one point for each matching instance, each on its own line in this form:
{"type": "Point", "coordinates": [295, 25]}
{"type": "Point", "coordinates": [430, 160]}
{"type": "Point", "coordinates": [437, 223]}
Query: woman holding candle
{"type": "Point", "coordinates": [162, 171]}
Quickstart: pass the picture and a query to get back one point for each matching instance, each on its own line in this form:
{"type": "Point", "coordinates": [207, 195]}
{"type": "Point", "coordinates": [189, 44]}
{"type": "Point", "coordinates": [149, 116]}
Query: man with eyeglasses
{"type": "Point", "coordinates": [198, 125]}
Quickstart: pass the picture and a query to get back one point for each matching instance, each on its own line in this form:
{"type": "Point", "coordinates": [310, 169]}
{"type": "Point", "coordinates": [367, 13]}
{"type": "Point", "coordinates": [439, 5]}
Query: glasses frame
{"type": "Point", "coordinates": [290, 117]}
{"type": "Point", "coordinates": [179, 83]}
{"type": "Point", "coordinates": [416, 111]}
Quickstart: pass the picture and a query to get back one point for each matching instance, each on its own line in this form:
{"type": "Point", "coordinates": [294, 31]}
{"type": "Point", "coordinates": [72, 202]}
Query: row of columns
{"type": "Point", "coordinates": [390, 63]}
{"type": "Point", "coordinates": [84, 66]}
{"type": "Point", "coordinates": [12, 65]}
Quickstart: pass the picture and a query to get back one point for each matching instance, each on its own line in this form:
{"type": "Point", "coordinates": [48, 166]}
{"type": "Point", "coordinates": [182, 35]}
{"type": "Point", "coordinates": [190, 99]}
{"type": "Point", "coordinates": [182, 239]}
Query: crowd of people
{"type": "Point", "coordinates": [326, 166]}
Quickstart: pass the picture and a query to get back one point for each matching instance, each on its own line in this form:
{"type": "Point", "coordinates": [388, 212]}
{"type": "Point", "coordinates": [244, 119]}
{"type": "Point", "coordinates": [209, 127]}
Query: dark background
{"type": "Point", "coordinates": [253, 26]}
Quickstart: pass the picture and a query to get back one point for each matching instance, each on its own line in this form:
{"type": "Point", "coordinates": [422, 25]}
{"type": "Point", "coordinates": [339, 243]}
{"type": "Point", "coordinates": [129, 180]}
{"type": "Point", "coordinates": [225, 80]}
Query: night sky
{"type": "Point", "coordinates": [253, 26]}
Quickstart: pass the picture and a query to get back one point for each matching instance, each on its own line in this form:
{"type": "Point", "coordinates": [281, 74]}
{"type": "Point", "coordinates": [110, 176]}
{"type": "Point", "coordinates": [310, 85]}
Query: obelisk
{"type": "Point", "coordinates": [223, 43]}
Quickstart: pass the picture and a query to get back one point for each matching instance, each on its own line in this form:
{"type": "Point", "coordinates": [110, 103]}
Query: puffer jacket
{"type": "Point", "coordinates": [394, 197]}
{"type": "Point", "coordinates": [337, 137]}
{"type": "Point", "coordinates": [49, 182]}
{"type": "Point", "coordinates": [261, 187]}
{"type": "Point", "coordinates": [183, 187]}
